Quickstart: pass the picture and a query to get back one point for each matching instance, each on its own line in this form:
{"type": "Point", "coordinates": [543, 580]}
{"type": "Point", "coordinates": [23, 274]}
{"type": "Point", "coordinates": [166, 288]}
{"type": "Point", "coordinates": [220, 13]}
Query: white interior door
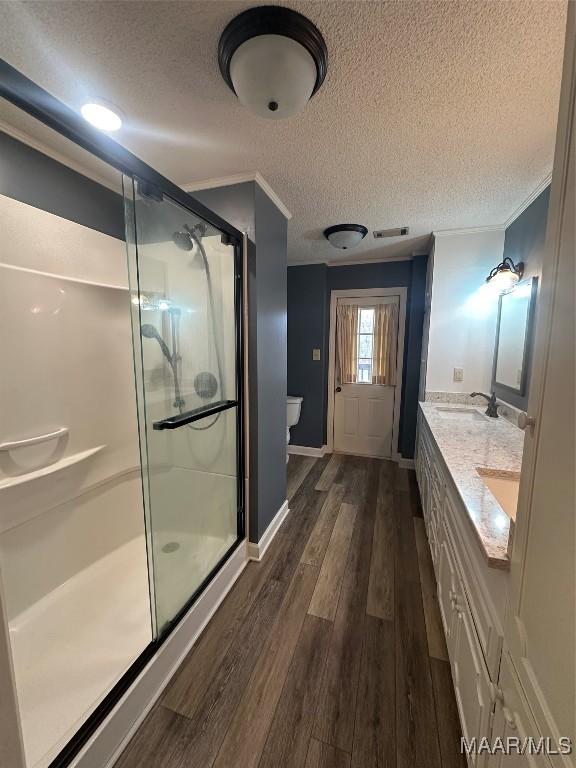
{"type": "Point", "coordinates": [540, 626]}
{"type": "Point", "coordinates": [364, 412]}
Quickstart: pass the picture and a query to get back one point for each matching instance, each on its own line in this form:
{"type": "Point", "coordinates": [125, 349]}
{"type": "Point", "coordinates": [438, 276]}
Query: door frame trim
{"type": "Point", "coordinates": [367, 293]}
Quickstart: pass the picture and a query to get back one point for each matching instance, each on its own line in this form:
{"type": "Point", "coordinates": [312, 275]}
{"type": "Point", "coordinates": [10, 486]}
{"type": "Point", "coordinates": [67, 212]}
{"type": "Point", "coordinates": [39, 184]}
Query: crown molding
{"type": "Point", "coordinates": [529, 200]}
{"type": "Point", "coordinates": [468, 230]}
{"type": "Point", "coordinates": [307, 263]}
{"type": "Point", "coordinates": [352, 262]}
{"type": "Point", "coordinates": [498, 227]}
{"type": "Point", "coordinates": [240, 178]}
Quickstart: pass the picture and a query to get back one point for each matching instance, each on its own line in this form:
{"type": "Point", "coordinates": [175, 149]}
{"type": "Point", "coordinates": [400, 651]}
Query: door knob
{"type": "Point", "coordinates": [338, 389]}
{"type": "Point", "coordinates": [525, 421]}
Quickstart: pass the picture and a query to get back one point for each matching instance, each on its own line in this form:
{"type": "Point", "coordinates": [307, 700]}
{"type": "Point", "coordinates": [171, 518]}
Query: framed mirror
{"type": "Point", "coordinates": [513, 347]}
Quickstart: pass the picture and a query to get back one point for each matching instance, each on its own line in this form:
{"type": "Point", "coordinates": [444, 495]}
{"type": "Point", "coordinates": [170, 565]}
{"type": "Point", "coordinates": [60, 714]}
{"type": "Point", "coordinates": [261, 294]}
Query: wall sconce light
{"type": "Point", "coordinates": [505, 275]}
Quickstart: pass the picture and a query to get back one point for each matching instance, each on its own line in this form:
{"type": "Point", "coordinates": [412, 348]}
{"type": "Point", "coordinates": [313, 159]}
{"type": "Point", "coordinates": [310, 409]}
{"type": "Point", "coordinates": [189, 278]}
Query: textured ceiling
{"type": "Point", "coordinates": [433, 115]}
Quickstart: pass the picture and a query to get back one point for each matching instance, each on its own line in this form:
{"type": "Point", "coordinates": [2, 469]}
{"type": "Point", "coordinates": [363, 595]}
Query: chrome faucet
{"type": "Point", "coordinates": [492, 409]}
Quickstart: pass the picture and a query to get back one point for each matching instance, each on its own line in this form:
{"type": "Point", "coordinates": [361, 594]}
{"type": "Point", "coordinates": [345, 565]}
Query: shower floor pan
{"type": "Point", "coordinates": [71, 647]}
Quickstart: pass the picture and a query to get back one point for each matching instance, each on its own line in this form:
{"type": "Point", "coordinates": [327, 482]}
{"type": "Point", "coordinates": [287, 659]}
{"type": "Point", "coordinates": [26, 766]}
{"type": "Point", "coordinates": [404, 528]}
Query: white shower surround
{"type": "Point", "coordinates": [72, 541]}
{"type": "Point", "coordinates": [73, 558]}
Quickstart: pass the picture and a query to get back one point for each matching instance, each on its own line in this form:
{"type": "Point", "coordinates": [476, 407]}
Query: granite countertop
{"type": "Point", "coordinates": [466, 445]}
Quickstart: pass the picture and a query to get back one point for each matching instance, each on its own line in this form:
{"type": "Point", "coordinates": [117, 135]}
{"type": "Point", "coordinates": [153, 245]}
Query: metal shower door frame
{"type": "Point", "coordinates": [133, 269]}
{"type": "Point", "coordinates": [25, 94]}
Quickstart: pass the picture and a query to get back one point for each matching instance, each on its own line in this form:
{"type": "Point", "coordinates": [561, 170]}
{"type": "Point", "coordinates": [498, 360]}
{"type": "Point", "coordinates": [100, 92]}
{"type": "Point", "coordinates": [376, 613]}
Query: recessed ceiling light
{"type": "Point", "coordinates": [101, 116]}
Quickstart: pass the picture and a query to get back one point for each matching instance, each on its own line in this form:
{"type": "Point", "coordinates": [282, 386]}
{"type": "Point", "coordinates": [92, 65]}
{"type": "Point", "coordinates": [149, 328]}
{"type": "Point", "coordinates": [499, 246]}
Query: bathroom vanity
{"type": "Point", "coordinates": [464, 462]}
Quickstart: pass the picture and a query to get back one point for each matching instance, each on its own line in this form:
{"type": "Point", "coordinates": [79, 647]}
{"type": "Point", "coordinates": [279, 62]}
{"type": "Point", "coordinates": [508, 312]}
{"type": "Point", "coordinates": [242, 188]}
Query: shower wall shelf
{"type": "Point", "coordinates": [66, 278]}
{"type": "Point", "coordinates": [58, 466]}
{"type": "Point", "coordinates": [29, 441]}
{"type": "Point", "coordinates": [46, 488]}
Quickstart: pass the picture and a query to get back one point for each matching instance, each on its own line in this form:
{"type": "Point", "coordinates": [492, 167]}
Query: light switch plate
{"type": "Point", "coordinates": [315, 354]}
{"type": "Point", "coordinates": [458, 374]}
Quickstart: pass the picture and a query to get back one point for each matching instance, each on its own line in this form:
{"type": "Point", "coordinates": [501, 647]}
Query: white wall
{"type": "Point", "coordinates": [464, 311]}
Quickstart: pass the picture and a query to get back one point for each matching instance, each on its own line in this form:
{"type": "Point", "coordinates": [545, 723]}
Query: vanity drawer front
{"type": "Point", "coordinates": [449, 587]}
{"type": "Point", "coordinates": [436, 503]}
{"type": "Point", "coordinates": [418, 449]}
{"type": "Point", "coordinates": [438, 481]}
{"type": "Point", "coordinates": [486, 587]}
{"type": "Point", "coordinates": [433, 461]}
{"type": "Point", "coordinates": [426, 441]}
{"type": "Point", "coordinates": [424, 478]}
{"type": "Point", "coordinates": [433, 544]}
{"type": "Point", "coordinates": [434, 524]}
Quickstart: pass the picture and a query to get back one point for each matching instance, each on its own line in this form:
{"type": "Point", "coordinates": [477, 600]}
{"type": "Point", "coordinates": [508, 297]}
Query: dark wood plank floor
{"type": "Point", "coordinates": [329, 653]}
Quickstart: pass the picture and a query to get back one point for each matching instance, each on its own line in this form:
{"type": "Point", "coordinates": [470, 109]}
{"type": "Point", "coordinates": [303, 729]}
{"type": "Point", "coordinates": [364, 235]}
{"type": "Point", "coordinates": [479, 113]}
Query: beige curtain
{"type": "Point", "coordinates": [347, 342]}
{"type": "Point", "coordinates": [385, 343]}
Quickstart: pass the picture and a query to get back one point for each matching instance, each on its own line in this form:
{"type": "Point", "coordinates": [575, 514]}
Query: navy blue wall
{"type": "Point", "coordinates": [413, 355]}
{"type": "Point", "coordinates": [36, 179]}
{"type": "Point", "coordinates": [271, 247]}
{"type": "Point", "coordinates": [249, 209]}
{"type": "Point", "coordinates": [307, 330]}
{"type": "Point", "coordinates": [309, 290]}
{"type": "Point", "coordinates": [524, 238]}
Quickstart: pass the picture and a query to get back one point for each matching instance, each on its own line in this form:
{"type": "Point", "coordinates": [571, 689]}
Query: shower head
{"type": "Point", "coordinates": [183, 241]}
{"type": "Point", "coordinates": [187, 236]}
{"type": "Point", "coordinates": [150, 332]}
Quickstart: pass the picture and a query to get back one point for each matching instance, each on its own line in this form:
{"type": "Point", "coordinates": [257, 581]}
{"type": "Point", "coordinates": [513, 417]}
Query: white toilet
{"type": "Point", "coordinates": [293, 406]}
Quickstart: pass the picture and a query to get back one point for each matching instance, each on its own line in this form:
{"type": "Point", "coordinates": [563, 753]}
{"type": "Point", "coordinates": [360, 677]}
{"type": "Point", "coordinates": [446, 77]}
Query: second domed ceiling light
{"type": "Point", "coordinates": [274, 59]}
{"type": "Point", "coordinates": [345, 236]}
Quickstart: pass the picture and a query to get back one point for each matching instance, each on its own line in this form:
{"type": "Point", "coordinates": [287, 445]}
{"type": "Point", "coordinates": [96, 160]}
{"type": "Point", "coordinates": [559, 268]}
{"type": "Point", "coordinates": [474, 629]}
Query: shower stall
{"type": "Point", "coordinates": [121, 422]}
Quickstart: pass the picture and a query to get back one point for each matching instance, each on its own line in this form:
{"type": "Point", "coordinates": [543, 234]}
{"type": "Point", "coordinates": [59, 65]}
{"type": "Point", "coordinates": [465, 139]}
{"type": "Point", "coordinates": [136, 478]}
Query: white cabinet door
{"type": "Point", "coordinates": [513, 724]}
{"type": "Point", "coordinates": [472, 684]}
{"type": "Point", "coordinates": [449, 589]}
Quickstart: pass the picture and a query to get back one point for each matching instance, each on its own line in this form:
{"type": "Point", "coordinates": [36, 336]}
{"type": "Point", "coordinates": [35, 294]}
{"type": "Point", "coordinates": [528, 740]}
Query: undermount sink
{"type": "Point", "coordinates": [461, 414]}
{"type": "Point", "coordinates": [504, 486]}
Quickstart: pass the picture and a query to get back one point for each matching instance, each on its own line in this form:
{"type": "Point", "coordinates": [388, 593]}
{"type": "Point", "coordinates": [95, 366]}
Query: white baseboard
{"type": "Point", "coordinates": [256, 551]}
{"type": "Point", "coordinates": [305, 450]}
{"type": "Point", "coordinates": [106, 745]}
{"type": "Point", "coordinates": [405, 463]}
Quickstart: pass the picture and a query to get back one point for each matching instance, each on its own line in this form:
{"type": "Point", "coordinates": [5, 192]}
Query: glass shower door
{"type": "Point", "coordinates": [184, 291]}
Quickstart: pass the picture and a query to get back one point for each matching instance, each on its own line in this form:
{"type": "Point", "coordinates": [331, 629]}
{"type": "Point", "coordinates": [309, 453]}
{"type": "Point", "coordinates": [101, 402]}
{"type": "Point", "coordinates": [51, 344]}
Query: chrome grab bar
{"type": "Point", "coordinates": [29, 441]}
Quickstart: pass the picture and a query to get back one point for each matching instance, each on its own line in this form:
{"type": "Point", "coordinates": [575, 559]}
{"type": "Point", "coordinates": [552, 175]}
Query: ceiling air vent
{"type": "Point", "coordinates": [396, 232]}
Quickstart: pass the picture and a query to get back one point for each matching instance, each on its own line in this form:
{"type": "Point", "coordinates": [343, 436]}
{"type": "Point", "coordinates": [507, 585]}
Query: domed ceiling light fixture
{"type": "Point", "coordinates": [274, 59]}
{"type": "Point", "coordinates": [345, 235]}
{"type": "Point", "coordinates": [505, 275]}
